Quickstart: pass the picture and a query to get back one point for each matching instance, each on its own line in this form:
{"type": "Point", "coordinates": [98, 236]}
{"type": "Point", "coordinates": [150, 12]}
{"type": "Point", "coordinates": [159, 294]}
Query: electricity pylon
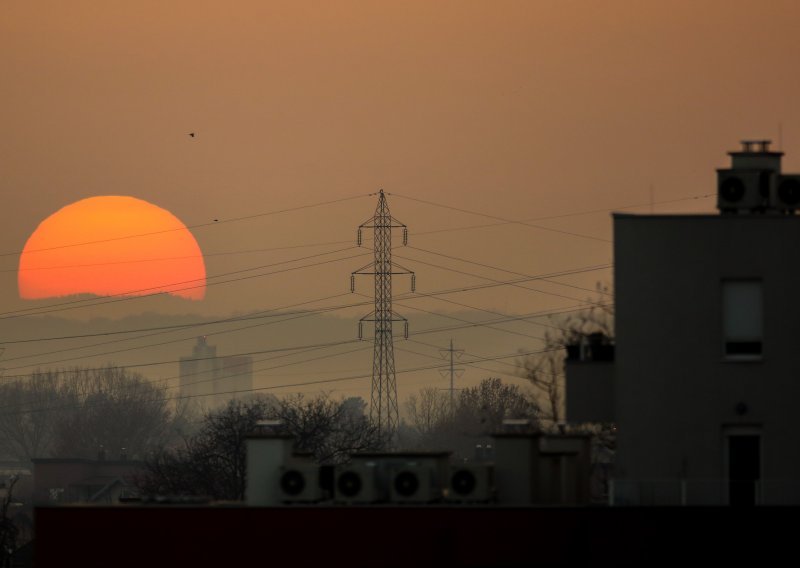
{"type": "Point", "coordinates": [383, 398]}
{"type": "Point", "coordinates": [457, 353]}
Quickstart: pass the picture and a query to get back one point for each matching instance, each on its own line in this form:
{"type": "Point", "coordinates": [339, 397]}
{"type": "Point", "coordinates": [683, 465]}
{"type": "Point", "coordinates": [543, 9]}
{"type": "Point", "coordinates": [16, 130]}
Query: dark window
{"type": "Point", "coordinates": [742, 318]}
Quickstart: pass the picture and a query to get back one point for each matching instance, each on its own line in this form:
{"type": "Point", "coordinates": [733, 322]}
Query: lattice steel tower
{"type": "Point", "coordinates": [383, 399]}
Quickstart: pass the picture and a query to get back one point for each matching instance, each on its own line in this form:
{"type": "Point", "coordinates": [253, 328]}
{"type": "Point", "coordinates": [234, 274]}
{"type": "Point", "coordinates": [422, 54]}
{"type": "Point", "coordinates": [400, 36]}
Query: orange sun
{"type": "Point", "coordinates": [111, 245]}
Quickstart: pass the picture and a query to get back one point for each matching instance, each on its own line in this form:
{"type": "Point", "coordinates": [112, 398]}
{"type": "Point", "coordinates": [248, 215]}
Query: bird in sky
{"type": "Point", "coordinates": [192, 134]}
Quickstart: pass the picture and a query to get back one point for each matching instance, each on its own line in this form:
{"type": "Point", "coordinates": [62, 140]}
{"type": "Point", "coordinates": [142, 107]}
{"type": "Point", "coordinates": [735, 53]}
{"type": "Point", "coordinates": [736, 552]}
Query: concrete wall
{"type": "Point", "coordinates": [590, 391]}
{"type": "Point", "coordinates": [676, 394]}
{"type": "Point", "coordinates": [265, 455]}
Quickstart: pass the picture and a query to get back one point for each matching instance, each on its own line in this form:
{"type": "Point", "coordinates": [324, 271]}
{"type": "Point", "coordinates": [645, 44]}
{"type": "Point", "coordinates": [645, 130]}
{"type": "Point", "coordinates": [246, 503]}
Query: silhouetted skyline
{"type": "Point", "coordinates": [265, 127]}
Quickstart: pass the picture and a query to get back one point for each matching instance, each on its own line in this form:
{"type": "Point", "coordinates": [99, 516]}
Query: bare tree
{"type": "Point", "coordinates": [117, 411]}
{"type": "Point", "coordinates": [546, 374]}
{"type": "Point", "coordinates": [8, 530]}
{"type": "Point", "coordinates": [428, 410]}
{"type": "Point", "coordinates": [31, 411]}
{"type": "Point", "coordinates": [212, 463]}
{"type": "Point", "coordinates": [545, 371]}
{"type": "Point", "coordinates": [330, 430]}
{"type": "Point", "coordinates": [76, 412]}
{"type": "Point", "coordinates": [481, 409]}
{"type": "Point", "coordinates": [479, 412]}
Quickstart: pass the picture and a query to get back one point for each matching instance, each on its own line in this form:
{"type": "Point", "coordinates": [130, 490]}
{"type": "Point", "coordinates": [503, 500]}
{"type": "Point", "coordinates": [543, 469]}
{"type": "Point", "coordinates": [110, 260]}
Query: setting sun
{"type": "Point", "coordinates": [111, 245]}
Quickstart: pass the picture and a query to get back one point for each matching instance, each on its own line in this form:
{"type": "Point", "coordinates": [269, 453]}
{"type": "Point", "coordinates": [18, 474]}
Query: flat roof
{"type": "Point", "coordinates": [401, 454]}
{"type": "Point", "coordinates": [759, 216]}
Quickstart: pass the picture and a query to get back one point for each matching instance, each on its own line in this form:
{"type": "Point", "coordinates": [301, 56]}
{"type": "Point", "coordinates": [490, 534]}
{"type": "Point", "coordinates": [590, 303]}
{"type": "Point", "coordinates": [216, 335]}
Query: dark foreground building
{"type": "Point", "coordinates": [706, 367]}
{"type": "Point", "coordinates": [411, 536]}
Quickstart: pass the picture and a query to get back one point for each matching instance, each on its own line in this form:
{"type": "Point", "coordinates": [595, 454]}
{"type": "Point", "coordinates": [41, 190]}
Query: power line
{"type": "Point", "coordinates": [465, 362]}
{"type": "Point", "coordinates": [158, 344]}
{"type": "Point", "coordinates": [252, 315]}
{"type": "Point", "coordinates": [196, 226]}
{"type": "Point", "coordinates": [504, 270]}
{"type": "Point", "coordinates": [418, 233]}
{"type": "Point", "coordinates": [292, 351]}
{"type": "Point", "coordinates": [490, 279]}
{"type": "Point", "coordinates": [414, 296]}
{"type": "Point", "coordinates": [604, 210]}
{"type": "Point", "coordinates": [482, 324]}
{"type": "Point", "coordinates": [525, 223]}
{"type": "Point", "coordinates": [504, 316]}
{"type": "Point", "coordinates": [467, 324]}
{"type": "Point", "coordinates": [124, 296]}
{"type": "Point", "coordinates": [161, 259]}
{"type": "Point", "coordinates": [272, 387]}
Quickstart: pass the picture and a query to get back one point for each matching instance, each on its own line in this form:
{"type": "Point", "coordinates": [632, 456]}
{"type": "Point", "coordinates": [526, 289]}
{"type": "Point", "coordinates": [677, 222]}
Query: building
{"type": "Point", "coordinates": [705, 370]}
{"type": "Point", "coordinates": [529, 468]}
{"type": "Point", "coordinates": [58, 481]}
{"type": "Point", "coordinates": [380, 515]}
{"type": "Point", "coordinates": [210, 380]}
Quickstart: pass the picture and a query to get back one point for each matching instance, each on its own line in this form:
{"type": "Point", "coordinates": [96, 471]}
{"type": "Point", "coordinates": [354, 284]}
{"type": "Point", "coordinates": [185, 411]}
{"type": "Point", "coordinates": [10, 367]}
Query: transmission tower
{"type": "Point", "coordinates": [453, 372]}
{"type": "Point", "coordinates": [383, 398]}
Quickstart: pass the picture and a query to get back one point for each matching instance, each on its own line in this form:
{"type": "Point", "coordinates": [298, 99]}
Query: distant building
{"type": "Point", "coordinates": [705, 376]}
{"type": "Point", "coordinates": [61, 481]}
{"type": "Point", "coordinates": [209, 380]}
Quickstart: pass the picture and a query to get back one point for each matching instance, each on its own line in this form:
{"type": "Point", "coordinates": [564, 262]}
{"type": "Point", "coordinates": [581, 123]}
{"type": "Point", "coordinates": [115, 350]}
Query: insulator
{"type": "Point", "coordinates": [358, 238]}
{"type": "Point", "coordinates": [405, 331]}
{"type": "Point", "coordinates": [352, 283]}
{"type": "Point", "coordinates": [360, 330]}
{"type": "Point", "coordinates": [413, 282]}
{"type": "Point", "coordinates": [405, 236]}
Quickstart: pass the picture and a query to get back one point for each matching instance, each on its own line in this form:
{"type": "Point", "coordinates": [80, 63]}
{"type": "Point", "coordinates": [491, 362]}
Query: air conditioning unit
{"type": "Point", "coordinates": [359, 484]}
{"type": "Point", "coordinates": [300, 484]}
{"type": "Point", "coordinates": [471, 483]}
{"type": "Point", "coordinates": [744, 190]}
{"type": "Point", "coordinates": [415, 482]}
{"type": "Point", "coordinates": [786, 195]}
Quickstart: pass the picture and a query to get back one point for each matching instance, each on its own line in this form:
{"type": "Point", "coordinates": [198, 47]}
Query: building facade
{"type": "Point", "coordinates": [207, 380]}
{"type": "Point", "coordinates": [706, 367]}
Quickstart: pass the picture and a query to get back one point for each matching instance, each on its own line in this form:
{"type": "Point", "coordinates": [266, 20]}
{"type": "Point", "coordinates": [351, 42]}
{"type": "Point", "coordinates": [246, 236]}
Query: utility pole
{"type": "Point", "coordinates": [383, 398]}
{"type": "Point", "coordinates": [454, 353]}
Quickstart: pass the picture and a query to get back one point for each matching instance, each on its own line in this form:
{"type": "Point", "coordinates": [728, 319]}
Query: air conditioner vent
{"type": "Point", "coordinates": [406, 484]}
{"type": "Point", "coordinates": [471, 483]}
{"type": "Point", "coordinates": [300, 484]}
{"type": "Point", "coordinates": [788, 193]}
{"type": "Point", "coordinates": [359, 483]}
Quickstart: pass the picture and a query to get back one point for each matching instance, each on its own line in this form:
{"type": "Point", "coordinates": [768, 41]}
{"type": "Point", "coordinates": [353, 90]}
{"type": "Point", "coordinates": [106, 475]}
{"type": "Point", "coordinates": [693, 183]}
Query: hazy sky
{"type": "Point", "coordinates": [518, 110]}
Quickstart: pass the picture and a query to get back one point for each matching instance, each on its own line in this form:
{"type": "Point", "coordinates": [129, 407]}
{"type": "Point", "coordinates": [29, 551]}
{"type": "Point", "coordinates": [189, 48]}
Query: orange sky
{"type": "Point", "coordinates": [520, 110]}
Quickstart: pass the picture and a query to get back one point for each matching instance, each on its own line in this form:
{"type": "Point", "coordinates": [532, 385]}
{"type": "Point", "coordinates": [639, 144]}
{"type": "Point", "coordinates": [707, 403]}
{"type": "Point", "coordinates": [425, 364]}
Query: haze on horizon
{"type": "Point", "coordinates": [532, 110]}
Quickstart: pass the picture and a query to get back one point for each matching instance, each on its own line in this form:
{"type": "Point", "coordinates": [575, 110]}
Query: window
{"type": "Point", "coordinates": [742, 318]}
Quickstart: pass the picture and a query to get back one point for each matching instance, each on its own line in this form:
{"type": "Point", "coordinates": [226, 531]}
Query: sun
{"type": "Point", "coordinates": [111, 246]}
